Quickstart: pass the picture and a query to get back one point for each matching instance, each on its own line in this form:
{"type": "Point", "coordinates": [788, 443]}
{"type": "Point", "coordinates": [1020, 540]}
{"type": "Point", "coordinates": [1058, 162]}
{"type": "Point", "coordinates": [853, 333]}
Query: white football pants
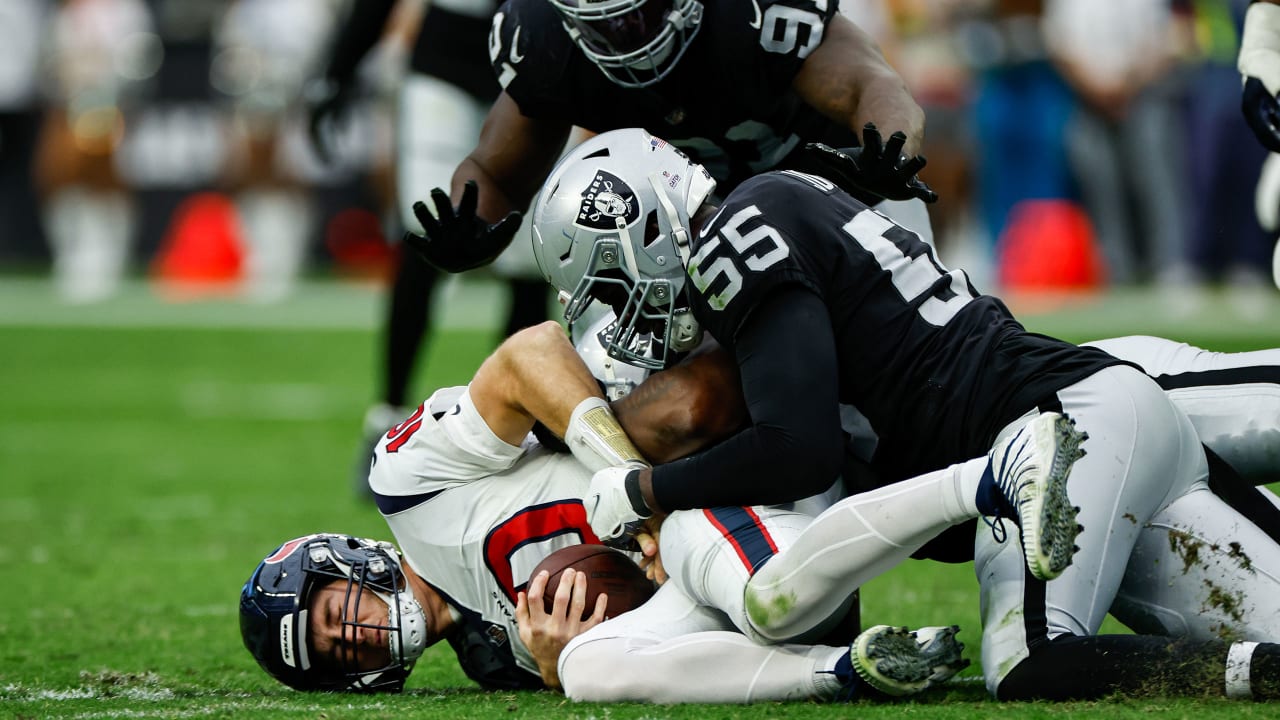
{"type": "Point", "coordinates": [1232, 399]}
{"type": "Point", "coordinates": [1142, 455]}
{"type": "Point", "coordinates": [696, 641]}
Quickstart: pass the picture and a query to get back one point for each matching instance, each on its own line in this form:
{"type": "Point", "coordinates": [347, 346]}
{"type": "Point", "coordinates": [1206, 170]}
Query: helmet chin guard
{"type": "Point", "coordinates": [612, 225]}
{"type": "Point", "coordinates": [274, 607]}
{"type": "Point", "coordinates": [617, 378]}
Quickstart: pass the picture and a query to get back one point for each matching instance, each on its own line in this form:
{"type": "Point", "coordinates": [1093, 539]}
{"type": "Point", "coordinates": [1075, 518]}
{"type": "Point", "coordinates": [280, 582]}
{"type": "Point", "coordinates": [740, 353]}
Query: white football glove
{"type": "Point", "coordinates": [614, 514]}
{"type": "Point", "coordinates": [1259, 65]}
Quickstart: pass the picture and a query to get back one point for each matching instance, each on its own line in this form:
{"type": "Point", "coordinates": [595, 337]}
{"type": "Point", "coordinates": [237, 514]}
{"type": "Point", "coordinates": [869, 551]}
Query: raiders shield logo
{"type": "Point", "coordinates": [608, 203]}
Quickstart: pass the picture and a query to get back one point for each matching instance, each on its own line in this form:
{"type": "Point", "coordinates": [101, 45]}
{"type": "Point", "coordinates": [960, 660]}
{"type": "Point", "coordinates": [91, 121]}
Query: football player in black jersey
{"type": "Point", "coordinates": [821, 301]}
{"type": "Point", "coordinates": [442, 102]}
{"type": "Point", "coordinates": [739, 86]}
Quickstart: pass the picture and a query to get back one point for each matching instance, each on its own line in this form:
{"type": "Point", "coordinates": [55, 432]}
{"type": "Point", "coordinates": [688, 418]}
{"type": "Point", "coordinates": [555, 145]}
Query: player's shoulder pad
{"type": "Point", "coordinates": [781, 187]}
{"type": "Point", "coordinates": [528, 45]}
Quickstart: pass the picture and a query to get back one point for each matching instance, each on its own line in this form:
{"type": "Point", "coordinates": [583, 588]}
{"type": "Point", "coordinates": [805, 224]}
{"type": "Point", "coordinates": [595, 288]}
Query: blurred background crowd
{"type": "Point", "coordinates": [1074, 143]}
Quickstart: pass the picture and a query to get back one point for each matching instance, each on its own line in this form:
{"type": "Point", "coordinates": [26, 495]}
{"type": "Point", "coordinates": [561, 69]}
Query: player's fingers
{"type": "Point", "coordinates": [872, 145]}
{"type": "Point", "coordinates": [431, 221]}
{"type": "Point", "coordinates": [659, 571]}
{"type": "Point", "coordinates": [467, 205]}
{"type": "Point", "coordinates": [912, 165]}
{"type": "Point", "coordinates": [598, 615]}
{"type": "Point", "coordinates": [536, 591]}
{"type": "Point", "coordinates": [578, 604]}
{"type": "Point", "coordinates": [893, 148]}
{"type": "Point", "coordinates": [564, 593]}
{"type": "Point", "coordinates": [648, 545]}
{"type": "Point", "coordinates": [522, 608]}
{"type": "Point", "coordinates": [505, 229]}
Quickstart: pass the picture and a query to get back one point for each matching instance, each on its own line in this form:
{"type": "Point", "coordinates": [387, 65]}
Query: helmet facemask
{"type": "Point", "coordinates": [590, 339]}
{"type": "Point", "coordinates": [612, 224]}
{"type": "Point", "coordinates": [405, 626]}
{"type": "Point", "coordinates": [635, 43]}
{"type": "Point", "coordinates": [275, 608]}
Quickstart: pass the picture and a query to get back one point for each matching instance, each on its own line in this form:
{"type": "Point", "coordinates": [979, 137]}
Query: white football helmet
{"type": "Point", "coordinates": [612, 224]}
{"type": "Point", "coordinates": [617, 377]}
{"type": "Point", "coordinates": [635, 43]}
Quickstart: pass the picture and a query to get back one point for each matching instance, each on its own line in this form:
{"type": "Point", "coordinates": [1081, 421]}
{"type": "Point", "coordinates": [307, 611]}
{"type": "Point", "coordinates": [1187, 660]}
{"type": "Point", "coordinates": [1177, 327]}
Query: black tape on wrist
{"type": "Point", "coordinates": [632, 484]}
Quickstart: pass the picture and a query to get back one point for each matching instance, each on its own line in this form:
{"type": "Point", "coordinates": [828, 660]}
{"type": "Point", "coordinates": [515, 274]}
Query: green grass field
{"type": "Point", "coordinates": [151, 454]}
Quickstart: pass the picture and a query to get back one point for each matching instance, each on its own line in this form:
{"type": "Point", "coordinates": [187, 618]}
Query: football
{"type": "Point", "coordinates": [608, 571]}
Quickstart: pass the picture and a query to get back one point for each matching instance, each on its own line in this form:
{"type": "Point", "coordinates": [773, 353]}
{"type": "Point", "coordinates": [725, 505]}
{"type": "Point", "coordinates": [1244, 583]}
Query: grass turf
{"type": "Point", "coordinates": [146, 465]}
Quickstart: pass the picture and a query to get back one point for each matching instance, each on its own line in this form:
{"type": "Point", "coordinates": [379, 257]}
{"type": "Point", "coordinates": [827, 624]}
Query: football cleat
{"type": "Point", "coordinates": [1030, 470]}
{"type": "Point", "coordinates": [897, 661]}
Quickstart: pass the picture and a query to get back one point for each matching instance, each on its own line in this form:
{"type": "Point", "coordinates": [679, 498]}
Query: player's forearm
{"type": "Point", "coordinates": [886, 102]}
{"type": "Point", "coordinates": [533, 375]}
{"type": "Point", "coordinates": [492, 201]}
{"type": "Point", "coordinates": [682, 410]}
{"type": "Point", "coordinates": [511, 160]}
{"type": "Point", "coordinates": [849, 80]}
{"type": "Point", "coordinates": [794, 445]}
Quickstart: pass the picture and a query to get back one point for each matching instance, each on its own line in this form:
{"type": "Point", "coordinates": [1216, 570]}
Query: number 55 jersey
{"type": "Point", "coordinates": [929, 360]}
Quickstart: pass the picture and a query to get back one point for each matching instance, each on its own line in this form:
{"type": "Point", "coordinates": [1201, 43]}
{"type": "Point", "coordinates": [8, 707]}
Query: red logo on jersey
{"type": "Point", "coordinates": [287, 549]}
{"type": "Point", "coordinates": [532, 525]}
{"type": "Point", "coordinates": [400, 434]}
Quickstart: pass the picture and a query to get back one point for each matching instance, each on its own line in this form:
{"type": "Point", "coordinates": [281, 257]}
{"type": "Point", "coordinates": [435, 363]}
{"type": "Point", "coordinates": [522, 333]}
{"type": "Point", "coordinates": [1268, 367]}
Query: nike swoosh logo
{"type": "Point", "coordinates": [516, 57]}
{"type": "Point", "coordinates": [595, 505]}
{"type": "Point", "coordinates": [456, 409]}
{"type": "Point", "coordinates": [755, 23]}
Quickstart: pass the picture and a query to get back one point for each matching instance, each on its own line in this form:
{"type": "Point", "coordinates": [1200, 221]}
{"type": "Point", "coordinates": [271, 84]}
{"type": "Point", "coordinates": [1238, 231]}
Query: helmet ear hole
{"type": "Point", "coordinates": [651, 230]}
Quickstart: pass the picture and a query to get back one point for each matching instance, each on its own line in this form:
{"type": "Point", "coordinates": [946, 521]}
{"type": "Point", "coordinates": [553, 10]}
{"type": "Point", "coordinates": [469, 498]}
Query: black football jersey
{"type": "Point", "coordinates": [454, 48]}
{"type": "Point", "coordinates": [936, 367]}
{"type": "Point", "coordinates": [728, 103]}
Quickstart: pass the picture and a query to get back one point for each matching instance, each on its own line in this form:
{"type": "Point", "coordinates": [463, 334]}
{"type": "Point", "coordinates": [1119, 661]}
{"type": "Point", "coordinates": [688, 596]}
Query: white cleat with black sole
{"type": "Point", "coordinates": [1031, 470]}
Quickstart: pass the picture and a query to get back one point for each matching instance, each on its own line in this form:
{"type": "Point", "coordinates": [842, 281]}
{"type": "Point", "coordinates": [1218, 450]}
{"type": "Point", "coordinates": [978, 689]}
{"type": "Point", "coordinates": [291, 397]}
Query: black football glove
{"type": "Point", "coordinates": [871, 173]}
{"type": "Point", "coordinates": [1262, 111]}
{"type": "Point", "coordinates": [459, 240]}
{"type": "Point", "coordinates": [327, 101]}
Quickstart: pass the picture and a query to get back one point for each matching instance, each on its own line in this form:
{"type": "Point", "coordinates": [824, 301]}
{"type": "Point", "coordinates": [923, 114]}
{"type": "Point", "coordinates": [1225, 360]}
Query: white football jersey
{"type": "Point", "coordinates": [474, 515]}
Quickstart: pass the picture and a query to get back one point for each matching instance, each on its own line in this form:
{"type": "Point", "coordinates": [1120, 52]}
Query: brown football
{"type": "Point", "coordinates": [608, 571]}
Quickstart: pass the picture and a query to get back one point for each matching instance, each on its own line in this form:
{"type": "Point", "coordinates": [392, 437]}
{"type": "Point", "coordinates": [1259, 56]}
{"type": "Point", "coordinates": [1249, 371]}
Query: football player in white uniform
{"type": "Point", "coordinates": [475, 502]}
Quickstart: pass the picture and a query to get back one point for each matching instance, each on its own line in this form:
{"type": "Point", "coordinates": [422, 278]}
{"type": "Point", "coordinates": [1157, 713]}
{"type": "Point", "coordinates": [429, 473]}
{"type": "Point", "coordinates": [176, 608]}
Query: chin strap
{"type": "Point", "coordinates": [679, 233]}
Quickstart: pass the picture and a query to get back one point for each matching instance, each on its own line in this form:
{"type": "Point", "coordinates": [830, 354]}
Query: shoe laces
{"type": "Point", "coordinates": [847, 677]}
{"type": "Point", "coordinates": [996, 523]}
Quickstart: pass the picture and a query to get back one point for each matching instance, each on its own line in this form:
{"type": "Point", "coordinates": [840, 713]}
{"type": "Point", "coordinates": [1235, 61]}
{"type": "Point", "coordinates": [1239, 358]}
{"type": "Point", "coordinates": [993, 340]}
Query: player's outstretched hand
{"type": "Point", "coordinates": [1259, 65]}
{"type": "Point", "coordinates": [871, 173]}
{"type": "Point", "coordinates": [455, 239]}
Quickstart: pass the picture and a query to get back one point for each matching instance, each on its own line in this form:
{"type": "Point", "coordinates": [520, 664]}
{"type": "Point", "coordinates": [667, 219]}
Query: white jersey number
{"type": "Point", "coordinates": [759, 248]}
{"type": "Point", "coordinates": [789, 20]}
{"type": "Point", "coordinates": [914, 277]}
